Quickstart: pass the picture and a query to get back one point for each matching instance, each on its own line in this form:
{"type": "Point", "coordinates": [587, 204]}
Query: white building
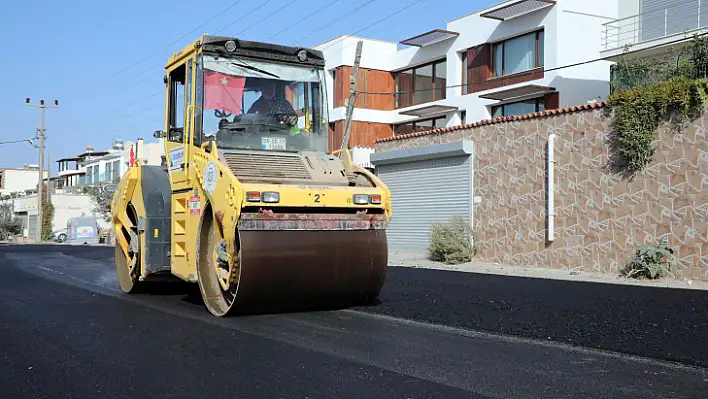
{"type": "Point", "coordinates": [517, 57]}
{"type": "Point", "coordinates": [72, 171]}
{"type": "Point", "coordinates": [110, 167]}
{"type": "Point", "coordinates": [95, 167]}
{"type": "Point", "coordinates": [66, 206]}
{"type": "Point", "coordinates": [647, 27]}
{"type": "Point", "coordinates": [19, 181]}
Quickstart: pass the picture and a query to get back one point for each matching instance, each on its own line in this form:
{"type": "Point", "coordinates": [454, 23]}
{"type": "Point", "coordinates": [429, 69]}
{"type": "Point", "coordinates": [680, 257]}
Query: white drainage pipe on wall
{"type": "Point", "coordinates": [550, 203]}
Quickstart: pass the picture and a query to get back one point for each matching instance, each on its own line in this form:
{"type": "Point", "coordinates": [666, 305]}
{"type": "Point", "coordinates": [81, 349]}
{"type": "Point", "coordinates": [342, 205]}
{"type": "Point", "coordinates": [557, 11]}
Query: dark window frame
{"type": "Point", "coordinates": [464, 72]}
{"type": "Point", "coordinates": [414, 122]}
{"type": "Point", "coordinates": [539, 106]}
{"type": "Point", "coordinates": [177, 80]}
{"type": "Point", "coordinates": [411, 94]}
{"type": "Point", "coordinates": [197, 135]}
{"type": "Point", "coordinates": [537, 53]}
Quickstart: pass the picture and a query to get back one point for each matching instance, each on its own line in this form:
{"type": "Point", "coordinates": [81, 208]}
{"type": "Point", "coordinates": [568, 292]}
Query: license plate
{"type": "Point", "coordinates": [273, 143]}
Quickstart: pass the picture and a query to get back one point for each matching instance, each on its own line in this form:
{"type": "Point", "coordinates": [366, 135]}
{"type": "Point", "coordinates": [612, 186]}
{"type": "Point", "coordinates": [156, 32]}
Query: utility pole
{"type": "Point", "coordinates": [49, 178]}
{"type": "Point", "coordinates": [40, 135]}
{"type": "Point", "coordinates": [352, 95]}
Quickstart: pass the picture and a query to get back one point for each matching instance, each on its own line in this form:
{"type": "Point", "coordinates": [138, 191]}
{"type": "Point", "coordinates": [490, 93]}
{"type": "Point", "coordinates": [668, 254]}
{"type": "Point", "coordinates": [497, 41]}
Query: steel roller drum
{"type": "Point", "coordinates": [280, 267]}
{"type": "Point", "coordinates": [284, 270]}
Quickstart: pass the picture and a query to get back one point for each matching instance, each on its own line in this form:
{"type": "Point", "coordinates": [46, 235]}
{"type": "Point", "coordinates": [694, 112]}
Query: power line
{"type": "Point", "coordinates": [303, 19]}
{"type": "Point", "coordinates": [269, 15]}
{"type": "Point", "coordinates": [544, 70]}
{"type": "Point", "coordinates": [119, 85]}
{"type": "Point", "coordinates": [146, 98]}
{"type": "Point", "coordinates": [262, 19]}
{"type": "Point", "coordinates": [346, 14]}
{"type": "Point", "coordinates": [374, 23]}
{"type": "Point", "coordinates": [317, 30]}
{"type": "Point", "coordinates": [245, 15]}
{"type": "Point", "coordinates": [233, 22]}
{"type": "Point", "coordinates": [131, 127]}
{"type": "Point", "coordinates": [220, 13]}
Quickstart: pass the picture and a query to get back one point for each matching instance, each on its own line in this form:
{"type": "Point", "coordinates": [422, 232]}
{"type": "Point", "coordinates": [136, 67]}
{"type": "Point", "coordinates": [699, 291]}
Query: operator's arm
{"type": "Point", "coordinates": [287, 112]}
{"type": "Point", "coordinates": [256, 106]}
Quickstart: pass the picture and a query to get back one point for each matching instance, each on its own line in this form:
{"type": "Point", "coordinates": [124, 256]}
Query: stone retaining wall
{"type": "Point", "coordinates": [600, 217]}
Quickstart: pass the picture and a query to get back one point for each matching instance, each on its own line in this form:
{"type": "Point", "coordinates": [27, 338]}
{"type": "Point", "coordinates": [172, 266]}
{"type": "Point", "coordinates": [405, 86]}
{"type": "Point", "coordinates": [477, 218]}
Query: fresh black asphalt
{"type": "Point", "coordinates": [663, 323]}
{"type": "Point", "coordinates": [65, 332]}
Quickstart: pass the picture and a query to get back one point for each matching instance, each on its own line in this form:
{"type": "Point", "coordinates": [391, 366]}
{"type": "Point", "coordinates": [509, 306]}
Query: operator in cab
{"type": "Point", "coordinates": [270, 104]}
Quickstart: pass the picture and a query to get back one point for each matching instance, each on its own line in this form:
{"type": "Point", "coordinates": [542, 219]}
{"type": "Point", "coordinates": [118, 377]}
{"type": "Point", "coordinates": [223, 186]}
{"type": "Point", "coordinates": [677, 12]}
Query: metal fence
{"type": "Point", "coordinates": [655, 24]}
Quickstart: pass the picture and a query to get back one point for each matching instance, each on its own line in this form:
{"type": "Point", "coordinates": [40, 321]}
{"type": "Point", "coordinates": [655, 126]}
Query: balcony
{"type": "Point", "coordinates": [100, 178]}
{"type": "Point", "coordinates": [655, 27]}
{"type": "Point", "coordinates": [67, 172]}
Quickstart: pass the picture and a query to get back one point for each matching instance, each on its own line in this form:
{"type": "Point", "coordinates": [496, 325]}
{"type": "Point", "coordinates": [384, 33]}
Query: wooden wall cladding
{"type": "Point", "coordinates": [369, 80]}
{"type": "Point", "coordinates": [479, 72]}
{"type": "Point", "coordinates": [363, 133]}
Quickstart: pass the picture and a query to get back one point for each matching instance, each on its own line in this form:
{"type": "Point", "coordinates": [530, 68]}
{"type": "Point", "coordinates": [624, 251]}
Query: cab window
{"type": "Point", "coordinates": [177, 105]}
{"type": "Point", "coordinates": [198, 102]}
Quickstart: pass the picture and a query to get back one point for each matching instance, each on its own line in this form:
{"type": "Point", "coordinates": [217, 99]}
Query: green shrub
{"type": "Point", "coordinates": [47, 217]}
{"type": "Point", "coordinates": [648, 92]}
{"type": "Point", "coordinates": [650, 262]}
{"type": "Point", "coordinates": [9, 224]}
{"type": "Point", "coordinates": [452, 243]}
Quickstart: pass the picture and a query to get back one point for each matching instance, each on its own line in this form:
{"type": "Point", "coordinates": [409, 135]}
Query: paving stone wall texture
{"type": "Point", "coordinates": [600, 217]}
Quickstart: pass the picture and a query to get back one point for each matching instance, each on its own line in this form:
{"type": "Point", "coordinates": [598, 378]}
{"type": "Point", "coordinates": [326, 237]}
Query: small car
{"type": "Point", "coordinates": [59, 236]}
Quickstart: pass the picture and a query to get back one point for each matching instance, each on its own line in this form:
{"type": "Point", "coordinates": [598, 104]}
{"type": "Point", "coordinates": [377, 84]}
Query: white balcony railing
{"type": "Point", "coordinates": [655, 24]}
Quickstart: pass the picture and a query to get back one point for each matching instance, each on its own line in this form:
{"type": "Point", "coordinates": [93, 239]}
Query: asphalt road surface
{"type": "Point", "coordinates": [66, 331]}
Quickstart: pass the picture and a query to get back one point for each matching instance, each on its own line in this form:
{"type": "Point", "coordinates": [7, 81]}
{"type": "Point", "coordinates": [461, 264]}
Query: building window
{"type": "Point", "coordinates": [519, 108]}
{"type": "Point", "coordinates": [419, 126]}
{"type": "Point", "coordinates": [518, 54]}
{"type": "Point", "coordinates": [116, 171]}
{"type": "Point", "coordinates": [109, 173]}
{"type": "Point", "coordinates": [334, 80]}
{"type": "Point", "coordinates": [421, 84]}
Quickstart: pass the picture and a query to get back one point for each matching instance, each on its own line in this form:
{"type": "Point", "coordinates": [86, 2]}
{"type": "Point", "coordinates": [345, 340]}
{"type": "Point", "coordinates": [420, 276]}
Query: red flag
{"type": "Point", "coordinates": [132, 156]}
{"type": "Point", "coordinates": [223, 92]}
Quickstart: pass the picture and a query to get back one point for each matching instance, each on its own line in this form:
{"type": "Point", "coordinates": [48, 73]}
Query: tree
{"type": "Point", "coordinates": [101, 201]}
{"type": "Point", "coordinates": [47, 217]}
{"type": "Point", "coordinates": [9, 224]}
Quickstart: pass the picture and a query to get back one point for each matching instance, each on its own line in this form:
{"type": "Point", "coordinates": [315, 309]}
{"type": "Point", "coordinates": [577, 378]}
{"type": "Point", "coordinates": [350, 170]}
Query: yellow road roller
{"type": "Point", "coordinates": [251, 202]}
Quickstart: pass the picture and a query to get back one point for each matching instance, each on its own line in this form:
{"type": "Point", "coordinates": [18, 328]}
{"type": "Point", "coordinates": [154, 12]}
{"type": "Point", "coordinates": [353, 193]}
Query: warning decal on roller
{"type": "Point", "coordinates": [194, 205]}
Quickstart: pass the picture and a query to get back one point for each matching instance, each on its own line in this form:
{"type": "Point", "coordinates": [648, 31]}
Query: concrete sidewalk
{"type": "Point", "coordinates": [419, 260]}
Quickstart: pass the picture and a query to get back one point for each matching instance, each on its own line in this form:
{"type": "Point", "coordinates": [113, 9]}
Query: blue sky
{"type": "Point", "coordinates": [73, 51]}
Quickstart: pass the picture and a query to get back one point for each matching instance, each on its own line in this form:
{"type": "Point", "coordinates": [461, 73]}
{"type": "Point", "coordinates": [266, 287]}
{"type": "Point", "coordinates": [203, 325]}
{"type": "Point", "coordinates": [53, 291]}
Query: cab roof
{"type": "Point", "coordinates": [266, 51]}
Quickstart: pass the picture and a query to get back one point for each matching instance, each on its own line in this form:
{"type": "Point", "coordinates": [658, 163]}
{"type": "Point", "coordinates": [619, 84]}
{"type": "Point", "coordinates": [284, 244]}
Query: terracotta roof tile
{"type": "Point", "coordinates": [496, 120]}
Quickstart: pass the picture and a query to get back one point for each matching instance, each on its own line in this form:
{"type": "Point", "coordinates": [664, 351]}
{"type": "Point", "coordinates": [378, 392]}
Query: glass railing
{"type": "Point", "coordinates": [101, 178]}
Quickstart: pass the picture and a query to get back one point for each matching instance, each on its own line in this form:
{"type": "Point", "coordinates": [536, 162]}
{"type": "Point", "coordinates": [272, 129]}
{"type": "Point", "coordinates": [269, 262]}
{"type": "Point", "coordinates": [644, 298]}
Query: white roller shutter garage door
{"type": "Point", "coordinates": [428, 185]}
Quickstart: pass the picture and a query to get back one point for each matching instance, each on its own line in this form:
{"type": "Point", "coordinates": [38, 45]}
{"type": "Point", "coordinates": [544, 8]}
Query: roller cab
{"type": "Point", "coordinates": [251, 204]}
